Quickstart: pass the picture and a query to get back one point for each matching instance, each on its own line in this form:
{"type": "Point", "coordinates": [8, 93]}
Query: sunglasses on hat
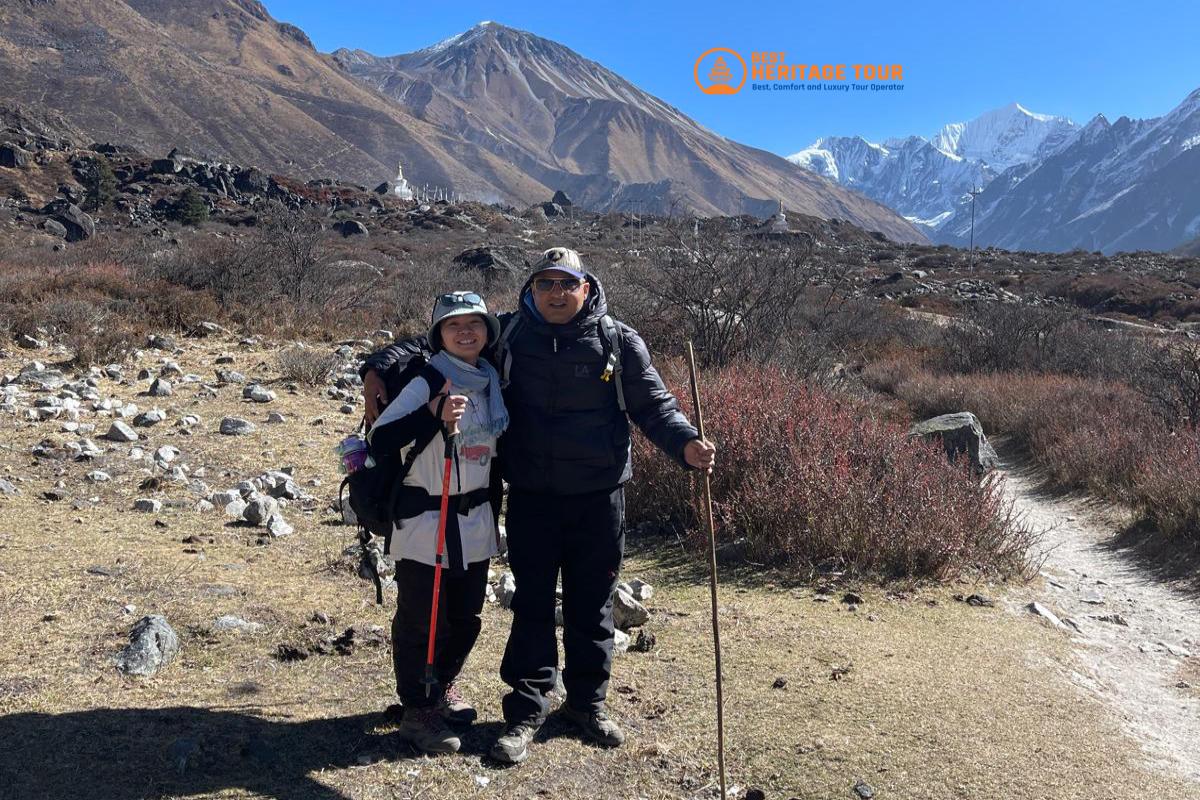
{"type": "Point", "coordinates": [455, 299]}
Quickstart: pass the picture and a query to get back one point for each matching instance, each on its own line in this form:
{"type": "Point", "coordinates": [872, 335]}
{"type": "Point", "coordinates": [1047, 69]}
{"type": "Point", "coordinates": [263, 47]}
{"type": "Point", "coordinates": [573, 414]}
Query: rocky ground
{"type": "Point", "coordinates": [45, 183]}
{"type": "Point", "coordinates": [275, 673]}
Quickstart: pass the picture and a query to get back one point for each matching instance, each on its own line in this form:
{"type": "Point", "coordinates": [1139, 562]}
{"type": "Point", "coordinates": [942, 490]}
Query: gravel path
{"type": "Point", "coordinates": [1135, 637]}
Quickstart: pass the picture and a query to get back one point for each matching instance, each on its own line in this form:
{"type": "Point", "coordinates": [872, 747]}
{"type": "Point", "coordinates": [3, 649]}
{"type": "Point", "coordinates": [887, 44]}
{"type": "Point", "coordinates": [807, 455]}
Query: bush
{"type": "Point", "coordinates": [803, 478]}
{"type": "Point", "coordinates": [1087, 433]}
{"type": "Point", "coordinates": [307, 366]}
{"type": "Point", "coordinates": [1167, 487]}
{"type": "Point", "coordinates": [192, 209]}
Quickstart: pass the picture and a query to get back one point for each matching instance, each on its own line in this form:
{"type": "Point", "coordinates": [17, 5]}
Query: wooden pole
{"type": "Point", "coordinates": [712, 574]}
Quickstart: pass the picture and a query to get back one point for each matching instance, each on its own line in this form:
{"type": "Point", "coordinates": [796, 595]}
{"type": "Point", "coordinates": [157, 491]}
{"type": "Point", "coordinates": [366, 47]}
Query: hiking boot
{"type": "Point", "coordinates": [513, 745]}
{"type": "Point", "coordinates": [454, 708]}
{"type": "Point", "coordinates": [425, 729]}
{"type": "Point", "coordinates": [596, 725]}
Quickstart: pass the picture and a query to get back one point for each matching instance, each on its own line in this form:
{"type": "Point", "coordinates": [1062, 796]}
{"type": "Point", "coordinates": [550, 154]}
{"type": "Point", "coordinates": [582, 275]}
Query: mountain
{"type": "Point", "coordinates": [910, 175]}
{"type": "Point", "coordinates": [926, 180]}
{"type": "Point", "coordinates": [570, 123]}
{"type": "Point", "coordinates": [1191, 248]}
{"type": "Point", "coordinates": [1005, 137]}
{"type": "Point", "coordinates": [222, 79]}
{"type": "Point", "coordinates": [1125, 185]}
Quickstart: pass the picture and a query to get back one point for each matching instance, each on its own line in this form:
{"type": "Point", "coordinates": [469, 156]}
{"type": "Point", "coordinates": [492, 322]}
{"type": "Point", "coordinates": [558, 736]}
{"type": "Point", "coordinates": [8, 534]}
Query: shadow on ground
{"type": "Point", "coordinates": [130, 753]}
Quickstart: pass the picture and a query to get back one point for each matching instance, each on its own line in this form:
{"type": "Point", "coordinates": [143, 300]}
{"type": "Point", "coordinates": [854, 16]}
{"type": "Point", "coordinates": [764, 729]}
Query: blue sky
{"type": "Point", "coordinates": [960, 58]}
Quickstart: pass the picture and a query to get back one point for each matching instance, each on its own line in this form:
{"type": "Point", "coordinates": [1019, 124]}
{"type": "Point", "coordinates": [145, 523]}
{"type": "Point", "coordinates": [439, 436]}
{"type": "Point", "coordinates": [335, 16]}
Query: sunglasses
{"type": "Point", "coordinates": [454, 299]}
{"type": "Point", "coordinates": [568, 285]}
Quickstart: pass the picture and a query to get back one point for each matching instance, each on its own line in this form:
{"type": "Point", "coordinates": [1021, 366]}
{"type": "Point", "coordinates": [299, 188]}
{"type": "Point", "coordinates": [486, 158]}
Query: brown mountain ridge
{"type": "Point", "coordinates": [496, 114]}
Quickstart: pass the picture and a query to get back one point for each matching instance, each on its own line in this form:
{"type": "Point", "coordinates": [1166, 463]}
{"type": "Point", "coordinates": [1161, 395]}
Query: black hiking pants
{"type": "Point", "coordinates": [583, 537]}
{"type": "Point", "coordinates": [460, 602]}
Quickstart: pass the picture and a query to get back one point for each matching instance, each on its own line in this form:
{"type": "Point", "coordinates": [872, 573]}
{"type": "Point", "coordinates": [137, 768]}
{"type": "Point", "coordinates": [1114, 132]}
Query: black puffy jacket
{"type": "Point", "coordinates": [566, 433]}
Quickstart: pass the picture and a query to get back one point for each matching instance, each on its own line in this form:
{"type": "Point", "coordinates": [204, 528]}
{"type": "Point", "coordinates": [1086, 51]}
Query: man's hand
{"type": "Point", "coordinates": [701, 454]}
{"type": "Point", "coordinates": [375, 396]}
{"type": "Point", "coordinates": [453, 410]}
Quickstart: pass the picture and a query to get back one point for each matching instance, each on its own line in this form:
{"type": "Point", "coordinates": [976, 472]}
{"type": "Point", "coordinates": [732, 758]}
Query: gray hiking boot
{"type": "Point", "coordinates": [427, 731]}
{"type": "Point", "coordinates": [454, 708]}
{"type": "Point", "coordinates": [596, 725]}
{"type": "Point", "coordinates": [513, 745]}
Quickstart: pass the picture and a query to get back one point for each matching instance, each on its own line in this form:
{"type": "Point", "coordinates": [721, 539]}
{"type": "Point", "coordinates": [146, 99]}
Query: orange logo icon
{"type": "Point", "coordinates": [718, 78]}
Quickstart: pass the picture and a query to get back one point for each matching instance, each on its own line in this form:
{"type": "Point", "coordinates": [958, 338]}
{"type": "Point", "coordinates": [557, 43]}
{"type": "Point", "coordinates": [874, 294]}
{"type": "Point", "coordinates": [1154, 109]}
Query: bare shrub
{"type": "Point", "coordinates": [804, 477]}
{"type": "Point", "coordinates": [1167, 488]}
{"type": "Point", "coordinates": [731, 289]}
{"type": "Point", "coordinates": [306, 365]}
{"type": "Point", "coordinates": [1170, 381]}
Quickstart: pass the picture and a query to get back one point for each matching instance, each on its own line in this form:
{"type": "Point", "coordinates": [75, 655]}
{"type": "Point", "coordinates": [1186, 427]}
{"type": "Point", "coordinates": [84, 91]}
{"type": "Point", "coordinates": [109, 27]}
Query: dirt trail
{"type": "Point", "coordinates": [1139, 668]}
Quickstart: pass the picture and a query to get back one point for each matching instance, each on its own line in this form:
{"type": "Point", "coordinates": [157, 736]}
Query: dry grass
{"type": "Point", "coordinates": [940, 700]}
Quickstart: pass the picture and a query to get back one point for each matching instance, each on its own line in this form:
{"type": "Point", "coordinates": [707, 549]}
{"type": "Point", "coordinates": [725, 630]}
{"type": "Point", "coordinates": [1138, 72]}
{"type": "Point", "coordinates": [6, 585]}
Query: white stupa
{"type": "Point", "coordinates": [400, 185]}
{"type": "Point", "coordinates": [778, 222]}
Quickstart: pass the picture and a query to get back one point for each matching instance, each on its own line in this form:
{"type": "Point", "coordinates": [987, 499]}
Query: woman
{"type": "Point", "coordinates": [456, 388]}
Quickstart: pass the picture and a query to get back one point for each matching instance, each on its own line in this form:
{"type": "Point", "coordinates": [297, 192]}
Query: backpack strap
{"type": "Point", "coordinates": [503, 351]}
{"type": "Point", "coordinates": [609, 335]}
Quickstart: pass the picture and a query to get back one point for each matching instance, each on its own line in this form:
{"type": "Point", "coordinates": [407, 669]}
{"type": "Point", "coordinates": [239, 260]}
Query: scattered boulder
{"type": "Point", "coordinates": [260, 509]}
{"type": "Point", "coordinates": [6, 488]}
{"type": "Point", "coordinates": [257, 394]}
{"type": "Point", "coordinates": [149, 418]}
{"type": "Point", "coordinates": [960, 433]}
{"type": "Point", "coordinates": [147, 505]}
{"type": "Point", "coordinates": [561, 199]}
{"type": "Point", "coordinates": [491, 262]}
{"type": "Point", "coordinates": [1039, 609]}
{"type": "Point", "coordinates": [152, 646]}
{"type": "Point", "coordinates": [160, 388]}
{"type": "Point", "coordinates": [78, 224]}
{"type": "Point", "coordinates": [505, 589]}
{"type": "Point", "coordinates": [13, 157]}
{"type": "Point", "coordinates": [236, 426]}
{"type": "Point", "coordinates": [277, 526]}
{"type": "Point", "coordinates": [620, 641]}
{"type": "Point", "coordinates": [627, 612]}
{"type": "Point", "coordinates": [351, 227]}
{"type": "Point", "coordinates": [275, 418]}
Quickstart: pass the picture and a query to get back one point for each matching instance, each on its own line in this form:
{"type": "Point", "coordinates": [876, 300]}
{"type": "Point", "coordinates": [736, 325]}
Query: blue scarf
{"type": "Point", "coordinates": [480, 378]}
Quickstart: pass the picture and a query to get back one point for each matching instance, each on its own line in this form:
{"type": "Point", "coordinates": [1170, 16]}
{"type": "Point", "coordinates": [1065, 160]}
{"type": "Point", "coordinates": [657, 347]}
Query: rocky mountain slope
{"type": "Point", "coordinates": [224, 80]}
{"type": "Point", "coordinates": [571, 123]}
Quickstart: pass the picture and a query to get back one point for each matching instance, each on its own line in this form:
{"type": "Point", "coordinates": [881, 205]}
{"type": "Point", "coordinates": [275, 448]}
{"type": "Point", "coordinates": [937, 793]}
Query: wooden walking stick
{"type": "Point", "coordinates": [712, 575]}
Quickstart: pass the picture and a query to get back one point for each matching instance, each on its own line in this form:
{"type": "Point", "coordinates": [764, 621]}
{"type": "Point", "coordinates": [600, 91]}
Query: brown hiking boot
{"type": "Point", "coordinates": [513, 745]}
{"type": "Point", "coordinates": [596, 725]}
{"type": "Point", "coordinates": [427, 731]}
{"type": "Point", "coordinates": [454, 708]}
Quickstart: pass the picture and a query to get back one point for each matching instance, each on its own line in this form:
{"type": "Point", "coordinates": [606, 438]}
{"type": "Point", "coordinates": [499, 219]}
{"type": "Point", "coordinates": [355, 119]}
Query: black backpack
{"type": "Point", "coordinates": [374, 493]}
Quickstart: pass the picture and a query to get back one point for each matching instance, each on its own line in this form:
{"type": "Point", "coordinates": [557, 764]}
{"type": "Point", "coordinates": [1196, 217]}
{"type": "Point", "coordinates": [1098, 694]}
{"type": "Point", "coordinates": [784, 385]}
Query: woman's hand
{"type": "Point", "coordinates": [454, 408]}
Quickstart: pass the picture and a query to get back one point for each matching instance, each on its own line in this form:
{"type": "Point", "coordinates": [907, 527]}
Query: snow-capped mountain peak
{"type": "Point", "coordinates": [1002, 137]}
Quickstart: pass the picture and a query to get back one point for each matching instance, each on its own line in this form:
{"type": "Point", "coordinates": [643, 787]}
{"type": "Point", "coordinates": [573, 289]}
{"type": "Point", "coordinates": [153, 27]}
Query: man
{"type": "Point", "coordinates": [566, 459]}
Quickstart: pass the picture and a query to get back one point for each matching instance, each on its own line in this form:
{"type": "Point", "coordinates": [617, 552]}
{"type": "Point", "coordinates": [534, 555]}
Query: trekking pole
{"type": "Point", "coordinates": [451, 434]}
{"type": "Point", "coordinates": [712, 574]}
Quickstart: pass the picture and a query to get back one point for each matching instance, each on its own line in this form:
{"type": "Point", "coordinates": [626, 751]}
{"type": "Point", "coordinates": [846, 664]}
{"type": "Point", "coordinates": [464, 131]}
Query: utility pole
{"type": "Point", "coordinates": [974, 191]}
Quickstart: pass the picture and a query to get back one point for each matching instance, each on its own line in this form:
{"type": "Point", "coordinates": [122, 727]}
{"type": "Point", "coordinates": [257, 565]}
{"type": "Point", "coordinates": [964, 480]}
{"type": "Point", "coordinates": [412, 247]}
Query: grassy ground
{"type": "Point", "coordinates": [915, 694]}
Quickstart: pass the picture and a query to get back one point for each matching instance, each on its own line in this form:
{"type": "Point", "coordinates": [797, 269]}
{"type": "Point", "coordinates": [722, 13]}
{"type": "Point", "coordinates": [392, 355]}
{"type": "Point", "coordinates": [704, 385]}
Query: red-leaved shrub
{"type": "Point", "coordinates": [803, 477]}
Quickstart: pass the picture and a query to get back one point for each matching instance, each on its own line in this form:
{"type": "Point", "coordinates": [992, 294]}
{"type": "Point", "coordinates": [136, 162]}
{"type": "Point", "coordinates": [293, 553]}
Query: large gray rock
{"type": "Point", "coordinates": [160, 388]}
{"type": "Point", "coordinates": [236, 426]}
{"type": "Point", "coordinates": [120, 432]}
{"type": "Point", "coordinates": [78, 224]}
{"type": "Point", "coordinates": [260, 509]}
{"type": "Point", "coordinates": [960, 434]}
{"type": "Point", "coordinates": [627, 612]}
{"type": "Point", "coordinates": [152, 645]}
